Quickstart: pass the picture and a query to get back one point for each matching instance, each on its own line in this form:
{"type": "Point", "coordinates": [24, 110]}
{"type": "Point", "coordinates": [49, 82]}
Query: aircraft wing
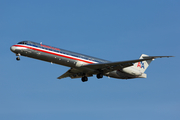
{"type": "Point", "coordinates": [91, 69]}
{"type": "Point", "coordinates": [108, 67]}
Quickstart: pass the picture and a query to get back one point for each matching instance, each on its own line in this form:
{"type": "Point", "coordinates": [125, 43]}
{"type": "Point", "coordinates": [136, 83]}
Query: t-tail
{"type": "Point", "coordinates": [143, 65]}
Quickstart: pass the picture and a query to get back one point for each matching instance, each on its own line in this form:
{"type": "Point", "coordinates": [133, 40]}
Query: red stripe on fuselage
{"type": "Point", "coordinates": [58, 54]}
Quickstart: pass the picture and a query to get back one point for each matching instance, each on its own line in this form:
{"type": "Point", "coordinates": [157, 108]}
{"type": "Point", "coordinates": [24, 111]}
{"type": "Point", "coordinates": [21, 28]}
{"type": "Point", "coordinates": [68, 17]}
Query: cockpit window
{"type": "Point", "coordinates": [23, 42]}
{"type": "Point", "coordinates": [20, 43]}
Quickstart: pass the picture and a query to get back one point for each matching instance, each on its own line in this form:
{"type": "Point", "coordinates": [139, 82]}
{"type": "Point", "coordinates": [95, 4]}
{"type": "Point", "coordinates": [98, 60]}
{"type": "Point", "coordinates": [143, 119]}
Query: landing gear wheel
{"type": "Point", "coordinates": [84, 79]}
{"type": "Point", "coordinates": [17, 58]}
{"type": "Point", "coordinates": [100, 75]}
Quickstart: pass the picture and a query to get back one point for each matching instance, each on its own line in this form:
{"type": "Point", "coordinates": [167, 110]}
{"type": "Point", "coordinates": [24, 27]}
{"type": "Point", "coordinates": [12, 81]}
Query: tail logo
{"type": "Point", "coordinates": [140, 65]}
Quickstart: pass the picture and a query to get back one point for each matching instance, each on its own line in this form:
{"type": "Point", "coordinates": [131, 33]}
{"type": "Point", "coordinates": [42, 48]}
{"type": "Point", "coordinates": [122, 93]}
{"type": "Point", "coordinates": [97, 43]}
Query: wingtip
{"type": "Point", "coordinates": [169, 56]}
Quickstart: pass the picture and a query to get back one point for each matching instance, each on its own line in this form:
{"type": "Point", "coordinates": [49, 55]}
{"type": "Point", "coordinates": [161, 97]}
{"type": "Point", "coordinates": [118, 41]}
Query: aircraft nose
{"type": "Point", "coordinates": [12, 48]}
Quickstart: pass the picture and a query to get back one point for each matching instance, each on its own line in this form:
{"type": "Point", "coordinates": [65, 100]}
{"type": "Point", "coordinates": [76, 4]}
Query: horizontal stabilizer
{"type": "Point", "coordinates": [154, 57]}
{"type": "Point", "coordinates": [143, 65]}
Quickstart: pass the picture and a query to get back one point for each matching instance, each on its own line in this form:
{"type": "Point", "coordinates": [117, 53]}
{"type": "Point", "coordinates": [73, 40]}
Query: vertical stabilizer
{"type": "Point", "coordinates": [143, 65]}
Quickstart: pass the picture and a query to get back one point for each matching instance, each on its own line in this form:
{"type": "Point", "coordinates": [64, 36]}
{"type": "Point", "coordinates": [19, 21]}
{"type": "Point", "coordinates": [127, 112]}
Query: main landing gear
{"type": "Point", "coordinates": [84, 79]}
{"type": "Point", "coordinates": [100, 75]}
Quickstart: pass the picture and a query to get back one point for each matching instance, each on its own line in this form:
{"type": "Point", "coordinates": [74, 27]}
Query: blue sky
{"type": "Point", "coordinates": [112, 30]}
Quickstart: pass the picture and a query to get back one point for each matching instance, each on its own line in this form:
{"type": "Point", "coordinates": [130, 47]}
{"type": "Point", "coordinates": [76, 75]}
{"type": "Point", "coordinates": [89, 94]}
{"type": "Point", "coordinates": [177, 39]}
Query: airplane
{"type": "Point", "coordinates": [83, 66]}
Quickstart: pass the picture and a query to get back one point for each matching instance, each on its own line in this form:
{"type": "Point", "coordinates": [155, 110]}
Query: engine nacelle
{"type": "Point", "coordinates": [132, 71]}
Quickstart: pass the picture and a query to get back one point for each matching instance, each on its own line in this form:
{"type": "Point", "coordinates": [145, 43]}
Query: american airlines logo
{"type": "Point", "coordinates": [140, 64]}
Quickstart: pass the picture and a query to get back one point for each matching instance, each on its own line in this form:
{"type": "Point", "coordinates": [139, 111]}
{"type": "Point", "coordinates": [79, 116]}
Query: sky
{"type": "Point", "coordinates": [114, 30]}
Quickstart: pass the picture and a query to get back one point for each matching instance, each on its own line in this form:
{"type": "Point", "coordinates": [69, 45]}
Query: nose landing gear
{"type": "Point", "coordinates": [18, 58]}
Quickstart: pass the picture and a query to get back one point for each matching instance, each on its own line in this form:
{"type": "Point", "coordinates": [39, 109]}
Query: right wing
{"type": "Point", "coordinates": [111, 66]}
{"type": "Point", "coordinates": [90, 69]}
